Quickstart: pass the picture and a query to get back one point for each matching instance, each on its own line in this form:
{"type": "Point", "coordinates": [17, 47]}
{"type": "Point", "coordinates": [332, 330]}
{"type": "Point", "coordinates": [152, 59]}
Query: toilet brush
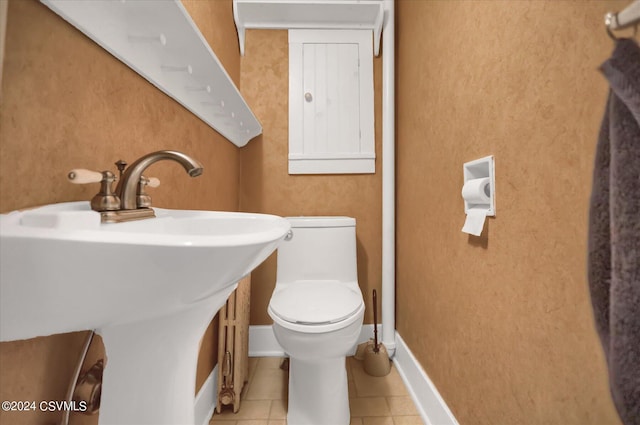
{"type": "Point", "coordinates": [376, 357]}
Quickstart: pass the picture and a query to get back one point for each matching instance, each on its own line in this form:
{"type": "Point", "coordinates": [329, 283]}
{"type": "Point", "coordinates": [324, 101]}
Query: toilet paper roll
{"type": "Point", "coordinates": [477, 191]}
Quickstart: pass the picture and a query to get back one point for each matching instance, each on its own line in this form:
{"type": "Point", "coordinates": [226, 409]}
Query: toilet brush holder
{"type": "Point", "coordinates": [376, 363]}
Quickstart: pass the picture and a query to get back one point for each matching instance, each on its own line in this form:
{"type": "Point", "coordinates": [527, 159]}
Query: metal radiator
{"type": "Point", "coordinates": [233, 346]}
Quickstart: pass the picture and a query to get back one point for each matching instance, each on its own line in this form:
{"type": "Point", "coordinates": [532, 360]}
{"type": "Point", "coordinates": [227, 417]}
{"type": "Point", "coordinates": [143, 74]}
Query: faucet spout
{"type": "Point", "coordinates": [127, 187]}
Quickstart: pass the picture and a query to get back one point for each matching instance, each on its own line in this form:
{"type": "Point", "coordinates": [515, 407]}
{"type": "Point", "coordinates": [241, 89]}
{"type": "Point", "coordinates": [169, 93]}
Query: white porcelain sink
{"type": "Point", "coordinates": [149, 287]}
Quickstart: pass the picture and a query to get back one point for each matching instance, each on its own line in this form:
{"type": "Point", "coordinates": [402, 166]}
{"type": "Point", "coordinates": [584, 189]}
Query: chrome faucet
{"type": "Point", "coordinates": [127, 189]}
{"type": "Point", "coordinates": [130, 201]}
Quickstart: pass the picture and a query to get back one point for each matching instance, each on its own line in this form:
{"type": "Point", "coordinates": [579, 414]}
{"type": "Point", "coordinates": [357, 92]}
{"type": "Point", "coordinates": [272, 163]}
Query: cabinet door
{"type": "Point", "coordinates": [331, 128]}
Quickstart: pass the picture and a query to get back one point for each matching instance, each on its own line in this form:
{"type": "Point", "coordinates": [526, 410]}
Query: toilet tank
{"type": "Point", "coordinates": [322, 248]}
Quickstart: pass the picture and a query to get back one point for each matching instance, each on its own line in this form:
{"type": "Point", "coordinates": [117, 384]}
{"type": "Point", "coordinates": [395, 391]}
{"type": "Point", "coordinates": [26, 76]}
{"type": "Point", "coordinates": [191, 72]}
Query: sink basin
{"type": "Point", "coordinates": [149, 287]}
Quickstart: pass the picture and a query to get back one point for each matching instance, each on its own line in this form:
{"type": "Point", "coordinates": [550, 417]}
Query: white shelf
{"type": "Point", "coordinates": [309, 14]}
{"type": "Point", "coordinates": [159, 40]}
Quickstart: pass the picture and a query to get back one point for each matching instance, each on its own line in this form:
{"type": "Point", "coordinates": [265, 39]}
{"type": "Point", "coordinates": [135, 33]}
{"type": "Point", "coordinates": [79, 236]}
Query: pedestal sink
{"type": "Point", "coordinates": [149, 287]}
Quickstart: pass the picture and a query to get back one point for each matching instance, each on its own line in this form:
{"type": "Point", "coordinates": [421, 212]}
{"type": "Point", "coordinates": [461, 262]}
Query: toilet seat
{"type": "Point", "coordinates": [315, 303]}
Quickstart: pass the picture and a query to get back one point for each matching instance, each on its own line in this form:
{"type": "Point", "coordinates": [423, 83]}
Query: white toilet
{"type": "Point", "coordinates": [317, 309]}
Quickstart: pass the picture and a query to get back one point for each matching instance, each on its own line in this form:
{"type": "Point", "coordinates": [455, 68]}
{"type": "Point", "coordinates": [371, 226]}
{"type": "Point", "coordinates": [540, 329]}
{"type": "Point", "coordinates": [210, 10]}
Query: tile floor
{"type": "Point", "coordinates": [373, 401]}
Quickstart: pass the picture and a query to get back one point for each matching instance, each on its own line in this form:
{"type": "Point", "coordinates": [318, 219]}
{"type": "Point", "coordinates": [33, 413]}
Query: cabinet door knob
{"type": "Point", "coordinates": [308, 97]}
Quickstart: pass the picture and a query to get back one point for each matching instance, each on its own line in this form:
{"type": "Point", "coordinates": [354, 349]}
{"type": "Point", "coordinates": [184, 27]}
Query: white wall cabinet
{"type": "Point", "coordinates": [331, 109]}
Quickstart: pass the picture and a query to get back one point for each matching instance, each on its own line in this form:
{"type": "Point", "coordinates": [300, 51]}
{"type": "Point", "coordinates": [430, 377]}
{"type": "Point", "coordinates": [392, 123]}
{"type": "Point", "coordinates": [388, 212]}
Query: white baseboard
{"type": "Point", "coordinates": [263, 343]}
{"type": "Point", "coordinates": [432, 408]}
{"type": "Point", "coordinates": [206, 399]}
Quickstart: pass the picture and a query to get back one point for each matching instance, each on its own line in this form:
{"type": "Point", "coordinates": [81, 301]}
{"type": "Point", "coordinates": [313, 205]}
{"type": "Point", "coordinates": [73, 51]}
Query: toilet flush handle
{"type": "Point", "coordinates": [289, 235]}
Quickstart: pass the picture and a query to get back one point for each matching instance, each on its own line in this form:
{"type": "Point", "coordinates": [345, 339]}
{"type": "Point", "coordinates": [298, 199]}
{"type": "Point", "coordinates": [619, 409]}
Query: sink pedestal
{"type": "Point", "coordinates": [150, 374]}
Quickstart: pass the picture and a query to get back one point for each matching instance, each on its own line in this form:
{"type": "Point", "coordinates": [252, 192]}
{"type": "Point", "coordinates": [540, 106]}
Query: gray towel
{"type": "Point", "coordinates": [614, 230]}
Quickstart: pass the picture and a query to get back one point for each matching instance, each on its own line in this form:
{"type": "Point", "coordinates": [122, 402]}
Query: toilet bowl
{"type": "Point", "coordinates": [317, 309]}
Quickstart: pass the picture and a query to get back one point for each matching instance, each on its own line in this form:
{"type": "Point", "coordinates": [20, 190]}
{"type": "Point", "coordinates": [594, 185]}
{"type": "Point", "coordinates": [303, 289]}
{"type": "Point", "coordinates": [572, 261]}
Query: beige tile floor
{"type": "Point", "coordinates": [373, 401]}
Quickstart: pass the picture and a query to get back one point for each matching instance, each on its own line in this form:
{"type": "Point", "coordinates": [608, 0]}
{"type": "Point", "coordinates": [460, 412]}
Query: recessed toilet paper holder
{"type": "Point", "coordinates": [479, 185]}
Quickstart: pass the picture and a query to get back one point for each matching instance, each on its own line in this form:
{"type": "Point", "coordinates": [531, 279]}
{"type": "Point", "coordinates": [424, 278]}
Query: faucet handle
{"type": "Point", "coordinates": [143, 200]}
{"type": "Point", "coordinates": [82, 176]}
{"type": "Point", "coordinates": [105, 200]}
{"type": "Point", "coordinates": [153, 182]}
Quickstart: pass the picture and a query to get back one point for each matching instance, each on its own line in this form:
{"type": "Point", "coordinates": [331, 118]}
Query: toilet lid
{"type": "Point", "coordinates": [315, 303]}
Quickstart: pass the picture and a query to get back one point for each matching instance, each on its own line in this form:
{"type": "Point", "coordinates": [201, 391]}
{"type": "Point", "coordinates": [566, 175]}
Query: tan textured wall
{"type": "Point", "coordinates": [67, 103]}
{"type": "Point", "coordinates": [266, 186]}
{"type": "Point", "coordinates": [501, 323]}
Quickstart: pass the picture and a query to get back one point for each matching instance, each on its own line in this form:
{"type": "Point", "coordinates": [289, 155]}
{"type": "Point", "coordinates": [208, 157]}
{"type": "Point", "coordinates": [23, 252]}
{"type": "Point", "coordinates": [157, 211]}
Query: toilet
{"type": "Point", "coordinates": [317, 309]}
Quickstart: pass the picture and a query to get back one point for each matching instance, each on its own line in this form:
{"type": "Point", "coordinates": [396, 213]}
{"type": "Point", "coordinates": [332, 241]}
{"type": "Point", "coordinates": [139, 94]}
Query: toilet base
{"type": "Point", "coordinates": [318, 392]}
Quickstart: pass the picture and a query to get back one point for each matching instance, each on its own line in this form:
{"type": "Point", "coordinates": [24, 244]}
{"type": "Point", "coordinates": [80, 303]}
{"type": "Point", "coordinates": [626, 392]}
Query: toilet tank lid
{"type": "Point", "coordinates": [318, 221]}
